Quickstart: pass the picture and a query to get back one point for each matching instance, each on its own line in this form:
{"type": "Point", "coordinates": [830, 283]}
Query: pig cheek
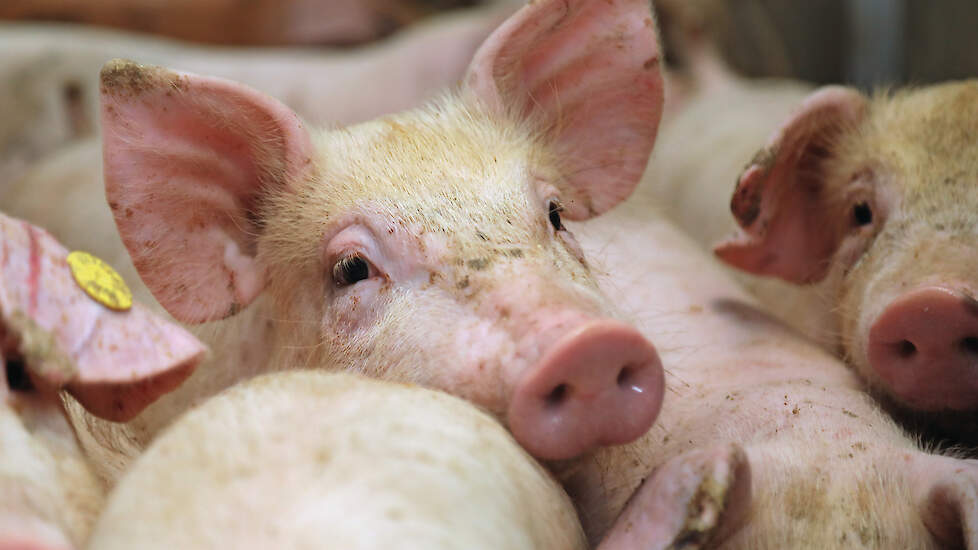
{"type": "Point", "coordinates": [478, 373]}
{"type": "Point", "coordinates": [357, 308]}
{"type": "Point", "coordinates": [572, 246]}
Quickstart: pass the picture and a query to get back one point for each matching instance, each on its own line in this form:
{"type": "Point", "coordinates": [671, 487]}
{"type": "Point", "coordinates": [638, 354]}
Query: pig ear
{"type": "Point", "coordinates": [587, 74]}
{"type": "Point", "coordinates": [947, 494]}
{"type": "Point", "coordinates": [697, 497]}
{"type": "Point", "coordinates": [186, 160]}
{"type": "Point", "coordinates": [788, 228]}
{"type": "Point", "coordinates": [114, 362]}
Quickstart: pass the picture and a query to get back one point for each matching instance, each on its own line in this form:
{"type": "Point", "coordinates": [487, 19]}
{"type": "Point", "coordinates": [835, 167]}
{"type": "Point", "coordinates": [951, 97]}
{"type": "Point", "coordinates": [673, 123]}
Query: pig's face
{"type": "Point", "coordinates": [424, 247]}
{"type": "Point", "coordinates": [909, 315]}
{"type": "Point", "coordinates": [436, 261]}
{"type": "Point", "coordinates": [883, 195]}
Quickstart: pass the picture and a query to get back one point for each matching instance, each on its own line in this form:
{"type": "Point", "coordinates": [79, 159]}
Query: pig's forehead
{"type": "Point", "coordinates": [927, 134]}
{"type": "Point", "coordinates": [444, 162]}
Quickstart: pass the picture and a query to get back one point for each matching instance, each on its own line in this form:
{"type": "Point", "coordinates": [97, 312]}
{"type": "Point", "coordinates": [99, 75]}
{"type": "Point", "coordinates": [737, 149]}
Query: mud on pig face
{"type": "Point", "coordinates": [429, 243]}
{"type": "Point", "coordinates": [876, 198]}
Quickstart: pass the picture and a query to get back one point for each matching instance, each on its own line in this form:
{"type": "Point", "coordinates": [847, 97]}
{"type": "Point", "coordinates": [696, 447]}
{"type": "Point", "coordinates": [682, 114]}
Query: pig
{"type": "Point", "coordinates": [765, 440]}
{"type": "Point", "coordinates": [49, 494]}
{"type": "Point", "coordinates": [49, 77]}
{"type": "Point", "coordinates": [430, 242]}
{"type": "Point", "coordinates": [309, 459]}
{"type": "Point", "coordinates": [53, 335]}
{"type": "Point", "coordinates": [114, 358]}
{"type": "Point", "coordinates": [882, 222]}
{"type": "Point", "coordinates": [858, 206]}
{"type": "Point", "coordinates": [256, 22]}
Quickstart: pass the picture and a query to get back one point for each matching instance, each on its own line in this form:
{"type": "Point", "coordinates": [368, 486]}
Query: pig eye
{"type": "Point", "coordinates": [554, 209]}
{"type": "Point", "coordinates": [350, 270]}
{"type": "Point", "coordinates": [862, 214]}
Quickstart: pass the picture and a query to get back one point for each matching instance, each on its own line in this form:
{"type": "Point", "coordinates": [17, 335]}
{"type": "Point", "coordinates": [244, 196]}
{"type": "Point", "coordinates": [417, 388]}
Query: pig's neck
{"type": "Point", "coordinates": [733, 373]}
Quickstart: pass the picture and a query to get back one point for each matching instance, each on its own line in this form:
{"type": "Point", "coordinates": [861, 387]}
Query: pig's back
{"type": "Point", "coordinates": [691, 176]}
{"type": "Point", "coordinates": [704, 147]}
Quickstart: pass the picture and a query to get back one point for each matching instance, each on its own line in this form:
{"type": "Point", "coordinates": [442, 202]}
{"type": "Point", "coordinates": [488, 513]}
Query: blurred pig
{"type": "Point", "coordinates": [49, 76]}
{"type": "Point", "coordinates": [255, 22]}
{"type": "Point", "coordinates": [765, 441]}
{"type": "Point", "coordinates": [430, 242]}
{"type": "Point", "coordinates": [53, 335]}
{"type": "Point", "coordinates": [332, 461]}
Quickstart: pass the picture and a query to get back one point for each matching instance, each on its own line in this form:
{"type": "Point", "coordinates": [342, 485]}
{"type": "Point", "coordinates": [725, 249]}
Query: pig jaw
{"type": "Point", "coordinates": [467, 281]}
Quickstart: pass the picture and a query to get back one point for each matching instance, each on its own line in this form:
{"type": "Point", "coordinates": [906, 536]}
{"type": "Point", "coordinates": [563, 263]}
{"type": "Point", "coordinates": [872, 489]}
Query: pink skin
{"type": "Point", "coordinates": [14, 544]}
{"type": "Point", "coordinates": [265, 22]}
{"type": "Point", "coordinates": [114, 363]}
{"type": "Point", "coordinates": [924, 346]}
{"type": "Point", "coordinates": [564, 403]}
{"type": "Point", "coordinates": [221, 194]}
{"type": "Point", "coordinates": [764, 441]}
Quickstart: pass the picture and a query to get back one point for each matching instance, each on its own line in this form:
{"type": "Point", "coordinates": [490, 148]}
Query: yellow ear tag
{"type": "Point", "coordinates": [100, 281]}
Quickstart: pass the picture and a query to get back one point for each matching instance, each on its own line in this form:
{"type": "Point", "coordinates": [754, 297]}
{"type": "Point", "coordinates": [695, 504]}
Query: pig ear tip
{"type": "Point", "coordinates": [119, 75]}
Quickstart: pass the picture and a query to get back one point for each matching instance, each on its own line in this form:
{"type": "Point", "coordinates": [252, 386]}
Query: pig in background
{"type": "Point", "coordinates": [430, 242]}
{"type": "Point", "coordinates": [765, 441]}
{"type": "Point", "coordinates": [861, 200]}
{"type": "Point", "coordinates": [49, 76]}
{"type": "Point", "coordinates": [255, 22]}
{"type": "Point", "coordinates": [55, 336]}
{"type": "Point", "coordinates": [308, 459]}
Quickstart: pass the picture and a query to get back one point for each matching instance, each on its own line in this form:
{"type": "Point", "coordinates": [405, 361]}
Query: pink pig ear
{"type": "Point", "coordinates": [115, 363]}
{"type": "Point", "coordinates": [671, 509]}
{"type": "Point", "coordinates": [186, 160]}
{"type": "Point", "coordinates": [789, 230]}
{"type": "Point", "coordinates": [947, 496]}
{"type": "Point", "coordinates": [588, 73]}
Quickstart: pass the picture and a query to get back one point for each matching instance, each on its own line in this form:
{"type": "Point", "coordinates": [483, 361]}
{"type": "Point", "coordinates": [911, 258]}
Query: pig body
{"type": "Point", "coordinates": [428, 242]}
{"type": "Point", "coordinates": [314, 460]}
{"type": "Point", "coordinates": [49, 495]}
{"type": "Point", "coordinates": [765, 441]}
{"type": "Point", "coordinates": [54, 335]}
{"type": "Point", "coordinates": [261, 22]}
{"type": "Point", "coordinates": [711, 135]}
{"type": "Point", "coordinates": [49, 84]}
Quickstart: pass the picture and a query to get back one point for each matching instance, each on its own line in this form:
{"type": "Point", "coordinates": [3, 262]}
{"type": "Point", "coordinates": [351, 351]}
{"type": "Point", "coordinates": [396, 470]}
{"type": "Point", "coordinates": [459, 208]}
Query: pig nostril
{"type": "Point", "coordinates": [906, 349]}
{"type": "Point", "coordinates": [969, 345]}
{"type": "Point", "coordinates": [557, 396]}
{"type": "Point", "coordinates": [625, 377]}
{"type": "Point", "coordinates": [17, 378]}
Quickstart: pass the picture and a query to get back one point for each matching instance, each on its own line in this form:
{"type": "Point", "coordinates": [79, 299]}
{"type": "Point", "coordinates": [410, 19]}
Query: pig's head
{"type": "Point", "coordinates": [425, 247]}
{"type": "Point", "coordinates": [876, 199]}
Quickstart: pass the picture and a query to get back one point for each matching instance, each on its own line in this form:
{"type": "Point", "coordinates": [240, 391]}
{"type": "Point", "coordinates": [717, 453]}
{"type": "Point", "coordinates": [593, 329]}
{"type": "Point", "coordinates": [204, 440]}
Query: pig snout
{"type": "Point", "coordinates": [601, 384]}
{"type": "Point", "coordinates": [924, 345]}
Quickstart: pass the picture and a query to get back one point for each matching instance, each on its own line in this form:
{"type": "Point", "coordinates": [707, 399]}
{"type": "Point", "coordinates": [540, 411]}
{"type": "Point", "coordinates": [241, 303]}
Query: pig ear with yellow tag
{"type": "Point", "coordinates": [69, 318]}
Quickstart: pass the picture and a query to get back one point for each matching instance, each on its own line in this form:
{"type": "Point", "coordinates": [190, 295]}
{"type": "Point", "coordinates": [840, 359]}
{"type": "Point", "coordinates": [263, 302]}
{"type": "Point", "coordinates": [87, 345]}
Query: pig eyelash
{"type": "Point", "coordinates": [554, 208]}
{"type": "Point", "coordinates": [352, 269]}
